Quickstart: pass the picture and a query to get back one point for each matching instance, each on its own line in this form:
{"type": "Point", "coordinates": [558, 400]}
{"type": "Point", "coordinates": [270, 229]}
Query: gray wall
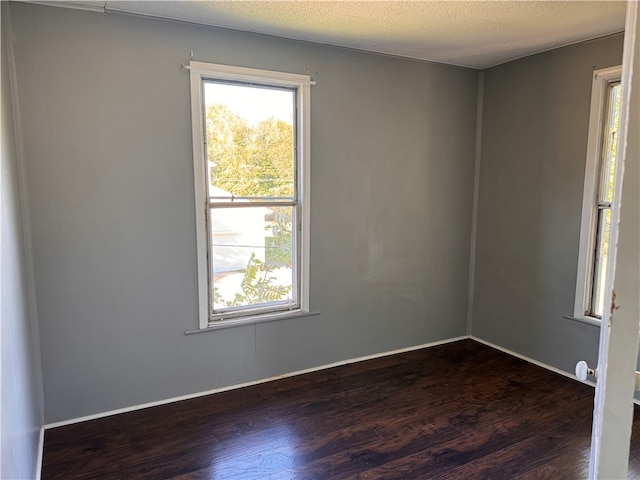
{"type": "Point", "coordinates": [107, 130]}
{"type": "Point", "coordinates": [535, 126]}
{"type": "Point", "coordinates": [21, 386]}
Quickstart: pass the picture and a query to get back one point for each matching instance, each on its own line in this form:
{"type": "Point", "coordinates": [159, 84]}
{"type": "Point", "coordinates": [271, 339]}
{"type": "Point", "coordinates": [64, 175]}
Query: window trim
{"type": "Point", "coordinates": [200, 71]}
{"type": "Point", "coordinates": [602, 78]}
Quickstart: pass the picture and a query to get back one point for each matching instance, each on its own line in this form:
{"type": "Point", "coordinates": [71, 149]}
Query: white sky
{"type": "Point", "coordinates": [254, 104]}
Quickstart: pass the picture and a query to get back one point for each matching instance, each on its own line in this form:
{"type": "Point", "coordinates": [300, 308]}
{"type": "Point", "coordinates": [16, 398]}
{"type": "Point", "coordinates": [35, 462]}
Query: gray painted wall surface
{"type": "Point", "coordinates": [107, 130]}
{"type": "Point", "coordinates": [535, 126]}
{"type": "Point", "coordinates": [21, 386]}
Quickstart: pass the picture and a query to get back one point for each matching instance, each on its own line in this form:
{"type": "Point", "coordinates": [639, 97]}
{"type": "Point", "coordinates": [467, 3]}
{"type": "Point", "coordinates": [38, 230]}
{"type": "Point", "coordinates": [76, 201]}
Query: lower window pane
{"type": "Point", "coordinates": [252, 257]}
{"type": "Point", "coordinates": [602, 252]}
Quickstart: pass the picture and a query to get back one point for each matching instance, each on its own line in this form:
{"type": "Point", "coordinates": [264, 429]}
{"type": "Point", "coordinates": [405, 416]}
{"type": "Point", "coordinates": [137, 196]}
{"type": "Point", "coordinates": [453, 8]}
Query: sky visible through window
{"type": "Point", "coordinates": [251, 103]}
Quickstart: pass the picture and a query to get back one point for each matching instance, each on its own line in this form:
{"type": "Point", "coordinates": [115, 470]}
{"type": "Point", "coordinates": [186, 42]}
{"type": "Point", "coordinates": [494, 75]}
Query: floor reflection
{"type": "Point", "coordinates": [264, 454]}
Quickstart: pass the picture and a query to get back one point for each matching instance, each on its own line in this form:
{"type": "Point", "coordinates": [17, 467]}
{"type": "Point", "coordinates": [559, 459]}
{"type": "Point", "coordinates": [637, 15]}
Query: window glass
{"type": "Point", "coordinates": [250, 140]}
{"type": "Point", "coordinates": [605, 197]}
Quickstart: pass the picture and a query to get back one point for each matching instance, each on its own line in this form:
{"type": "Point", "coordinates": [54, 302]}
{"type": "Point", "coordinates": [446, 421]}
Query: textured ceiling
{"type": "Point", "coordinates": [476, 34]}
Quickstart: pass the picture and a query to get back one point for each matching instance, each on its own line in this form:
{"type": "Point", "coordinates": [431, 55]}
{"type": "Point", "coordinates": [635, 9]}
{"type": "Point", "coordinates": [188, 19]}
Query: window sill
{"type": "Point", "coordinates": [595, 322]}
{"type": "Point", "coordinates": [267, 317]}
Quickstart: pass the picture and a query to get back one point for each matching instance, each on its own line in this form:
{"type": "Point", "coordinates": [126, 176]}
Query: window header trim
{"type": "Point", "coordinates": [251, 75]}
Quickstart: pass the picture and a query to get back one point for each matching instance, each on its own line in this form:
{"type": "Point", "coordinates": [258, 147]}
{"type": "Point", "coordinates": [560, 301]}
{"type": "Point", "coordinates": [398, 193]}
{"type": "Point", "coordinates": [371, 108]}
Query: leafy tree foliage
{"type": "Point", "coordinates": [257, 286]}
{"type": "Point", "coordinates": [249, 160]}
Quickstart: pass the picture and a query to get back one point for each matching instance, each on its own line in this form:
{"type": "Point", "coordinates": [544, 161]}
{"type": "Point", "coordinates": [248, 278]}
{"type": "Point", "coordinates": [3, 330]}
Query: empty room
{"type": "Point", "coordinates": [320, 240]}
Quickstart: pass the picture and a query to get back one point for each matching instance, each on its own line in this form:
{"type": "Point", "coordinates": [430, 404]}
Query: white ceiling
{"type": "Point", "coordinates": [476, 34]}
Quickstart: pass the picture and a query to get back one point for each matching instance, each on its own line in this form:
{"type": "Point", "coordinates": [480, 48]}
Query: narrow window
{"type": "Point", "coordinates": [251, 170]}
{"type": "Point", "coordinates": [598, 194]}
{"type": "Point", "coordinates": [605, 197]}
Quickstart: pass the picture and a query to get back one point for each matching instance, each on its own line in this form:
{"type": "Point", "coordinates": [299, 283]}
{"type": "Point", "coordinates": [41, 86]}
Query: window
{"type": "Point", "coordinates": [251, 172]}
{"type": "Point", "coordinates": [598, 194]}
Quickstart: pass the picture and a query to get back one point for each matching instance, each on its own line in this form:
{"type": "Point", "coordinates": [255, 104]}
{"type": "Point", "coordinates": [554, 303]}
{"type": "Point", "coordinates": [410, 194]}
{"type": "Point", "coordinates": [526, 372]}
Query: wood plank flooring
{"type": "Point", "coordinates": [456, 411]}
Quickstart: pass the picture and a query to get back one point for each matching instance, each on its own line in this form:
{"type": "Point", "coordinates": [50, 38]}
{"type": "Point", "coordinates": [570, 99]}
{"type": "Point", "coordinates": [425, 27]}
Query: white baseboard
{"type": "Point", "coordinates": [540, 364]}
{"type": "Point", "coordinates": [531, 360]}
{"type": "Point", "coordinates": [248, 384]}
{"type": "Point", "coordinates": [308, 370]}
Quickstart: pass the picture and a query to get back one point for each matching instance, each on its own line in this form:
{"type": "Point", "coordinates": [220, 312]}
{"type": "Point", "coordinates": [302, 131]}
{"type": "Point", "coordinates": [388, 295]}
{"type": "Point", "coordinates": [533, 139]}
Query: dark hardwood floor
{"type": "Point", "coordinates": [456, 411]}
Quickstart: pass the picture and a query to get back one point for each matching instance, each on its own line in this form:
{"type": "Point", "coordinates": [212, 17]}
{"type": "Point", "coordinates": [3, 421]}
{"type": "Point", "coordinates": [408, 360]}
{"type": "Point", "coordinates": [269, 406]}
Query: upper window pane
{"type": "Point", "coordinates": [250, 141]}
{"type": "Point", "coordinates": [610, 143]}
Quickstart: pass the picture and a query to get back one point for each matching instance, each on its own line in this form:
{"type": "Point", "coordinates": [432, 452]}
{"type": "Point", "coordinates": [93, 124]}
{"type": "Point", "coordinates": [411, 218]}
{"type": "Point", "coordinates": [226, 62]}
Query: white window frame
{"type": "Point", "coordinates": [599, 95]}
{"type": "Point", "coordinates": [199, 72]}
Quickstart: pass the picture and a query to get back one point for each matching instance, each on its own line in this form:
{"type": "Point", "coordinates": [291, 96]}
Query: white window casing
{"type": "Point", "coordinates": [602, 79]}
{"type": "Point", "coordinates": [199, 73]}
